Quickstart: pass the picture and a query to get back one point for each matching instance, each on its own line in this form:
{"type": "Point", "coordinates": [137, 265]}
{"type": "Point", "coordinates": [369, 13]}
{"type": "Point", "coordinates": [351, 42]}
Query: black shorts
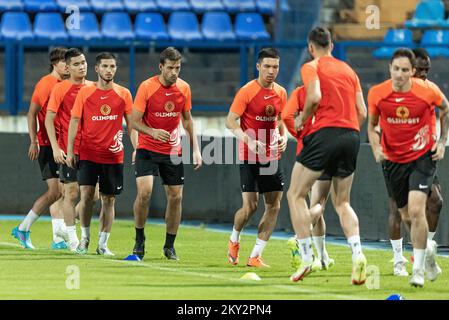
{"type": "Point", "coordinates": [384, 171]}
{"type": "Point", "coordinates": [67, 174]}
{"type": "Point", "coordinates": [262, 178]}
{"type": "Point", "coordinates": [325, 177]}
{"type": "Point", "coordinates": [404, 177]}
{"type": "Point", "coordinates": [49, 168]}
{"type": "Point", "coordinates": [149, 163]}
{"type": "Point", "coordinates": [109, 176]}
{"type": "Point", "coordinates": [331, 150]}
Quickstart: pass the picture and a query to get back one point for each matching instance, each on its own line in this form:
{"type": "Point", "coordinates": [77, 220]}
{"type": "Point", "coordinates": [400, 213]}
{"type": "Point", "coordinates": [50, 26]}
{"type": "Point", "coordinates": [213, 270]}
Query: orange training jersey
{"type": "Point", "coordinates": [338, 84]}
{"type": "Point", "coordinates": [40, 96]}
{"type": "Point", "coordinates": [295, 104]}
{"type": "Point", "coordinates": [162, 108]}
{"type": "Point", "coordinates": [259, 109]}
{"type": "Point", "coordinates": [405, 118]}
{"type": "Point", "coordinates": [61, 102]}
{"type": "Point", "coordinates": [434, 114]}
{"type": "Point", "coordinates": [101, 115]}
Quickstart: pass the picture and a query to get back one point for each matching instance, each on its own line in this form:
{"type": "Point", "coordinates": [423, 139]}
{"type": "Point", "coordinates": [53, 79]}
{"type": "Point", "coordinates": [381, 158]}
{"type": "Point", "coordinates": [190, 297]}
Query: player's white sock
{"type": "Point", "coordinates": [319, 246]}
{"type": "Point", "coordinates": [419, 256]}
{"type": "Point", "coordinates": [235, 235]}
{"type": "Point", "coordinates": [85, 233]}
{"type": "Point", "coordinates": [305, 245]}
{"type": "Point", "coordinates": [28, 221]}
{"type": "Point", "coordinates": [356, 246]}
{"type": "Point", "coordinates": [430, 235]}
{"type": "Point", "coordinates": [397, 249]}
{"type": "Point", "coordinates": [57, 224]}
{"type": "Point", "coordinates": [71, 231]}
{"type": "Point", "coordinates": [258, 248]}
{"type": "Point", "coordinates": [103, 239]}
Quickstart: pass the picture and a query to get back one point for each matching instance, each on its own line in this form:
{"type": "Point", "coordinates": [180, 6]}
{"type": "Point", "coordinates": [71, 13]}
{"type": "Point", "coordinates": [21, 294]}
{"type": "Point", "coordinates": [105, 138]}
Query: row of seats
{"type": "Point", "coordinates": [134, 6]}
{"type": "Point", "coordinates": [216, 26]}
{"type": "Point", "coordinates": [428, 14]}
{"type": "Point", "coordinates": [436, 42]}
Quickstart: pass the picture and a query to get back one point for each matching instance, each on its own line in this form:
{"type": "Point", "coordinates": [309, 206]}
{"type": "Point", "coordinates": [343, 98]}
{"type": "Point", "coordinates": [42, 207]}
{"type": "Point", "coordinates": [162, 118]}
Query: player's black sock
{"type": "Point", "coordinates": [140, 234]}
{"type": "Point", "coordinates": [169, 240]}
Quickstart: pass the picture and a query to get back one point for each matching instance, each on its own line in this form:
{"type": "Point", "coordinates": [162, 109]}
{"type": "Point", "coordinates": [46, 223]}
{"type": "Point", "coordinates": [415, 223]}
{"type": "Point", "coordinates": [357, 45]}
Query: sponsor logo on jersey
{"type": "Point", "coordinates": [105, 110]}
{"type": "Point", "coordinates": [169, 106]}
{"type": "Point", "coordinates": [403, 117]}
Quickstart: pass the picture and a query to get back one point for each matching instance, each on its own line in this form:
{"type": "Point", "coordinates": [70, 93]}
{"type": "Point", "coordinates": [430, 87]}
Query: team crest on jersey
{"type": "Point", "coordinates": [169, 106]}
{"type": "Point", "coordinates": [269, 110]}
{"type": "Point", "coordinates": [105, 110]}
{"type": "Point", "coordinates": [402, 112]}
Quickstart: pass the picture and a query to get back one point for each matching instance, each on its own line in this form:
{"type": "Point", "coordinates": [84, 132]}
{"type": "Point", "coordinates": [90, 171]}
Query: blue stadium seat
{"type": "Point", "coordinates": [101, 6]}
{"type": "Point", "coordinates": [436, 42]}
{"type": "Point", "coordinates": [88, 29]}
{"type": "Point", "coordinates": [239, 5]}
{"type": "Point", "coordinates": [428, 14]}
{"type": "Point", "coordinates": [217, 26]}
{"type": "Point", "coordinates": [173, 5]}
{"type": "Point", "coordinates": [269, 6]}
{"type": "Point", "coordinates": [83, 5]}
{"type": "Point", "coordinates": [117, 26]}
{"type": "Point", "coordinates": [184, 26]}
{"type": "Point", "coordinates": [16, 26]}
{"type": "Point", "coordinates": [150, 26]}
{"type": "Point", "coordinates": [207, 5]}
{"type": "Point", "coordinates": [40, 5]}
{"type": "Point", "coordinates": [11, 5]}
{"type": "Point", "coordinates": [250, 26]}
{"type": "Point", "coordinates": [49, 26]}
{"type": "Point", "coordinates": [394, 39]}
{"type": "Point", "coordinates": [135, 6]}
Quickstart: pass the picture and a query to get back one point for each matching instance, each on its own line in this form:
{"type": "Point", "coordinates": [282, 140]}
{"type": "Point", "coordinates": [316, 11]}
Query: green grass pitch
{"type": "Point", "coordinates": [202, 272]}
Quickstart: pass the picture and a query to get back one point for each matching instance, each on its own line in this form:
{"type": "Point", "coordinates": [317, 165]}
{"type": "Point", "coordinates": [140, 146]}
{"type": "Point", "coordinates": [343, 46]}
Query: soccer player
{"type": "Point", "coordinates": [59, 107]}
{"type": "Point", "coordinates": [40, 149]}
{"type": "Point", "coordinates": [161, 103]}
{"type": "Point", "coordinates": [335, 99]}
{"type": "Point", "coordinates": [320, 189]}
{"type": "Point", "coordinates": [435, 199]}
{"type": "Point", "coordinates": [99, 111]}
{"type": "Point", "coordinates": [403, 106]}
{"type": "Point", "coordinates": [262, 137]}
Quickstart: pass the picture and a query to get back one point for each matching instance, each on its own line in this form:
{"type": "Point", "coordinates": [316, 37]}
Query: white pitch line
{"type": "Point", "coordinates": [292, 288]}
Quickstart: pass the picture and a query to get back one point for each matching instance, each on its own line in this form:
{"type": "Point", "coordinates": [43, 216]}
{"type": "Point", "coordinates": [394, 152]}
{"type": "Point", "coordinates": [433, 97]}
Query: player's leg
{"type": "Point", "coordinates": [250, 197]}
{"type": "Point", "coordinates": [172, 218]}
{"type": "Point", "coordinates": [60, 237]}
{"type": "Point", "coordinates": [434, 206]}
{"type": "Point", "coordinates": [394, 228]}
{"type": "Point", "coordinates": [318, 198]}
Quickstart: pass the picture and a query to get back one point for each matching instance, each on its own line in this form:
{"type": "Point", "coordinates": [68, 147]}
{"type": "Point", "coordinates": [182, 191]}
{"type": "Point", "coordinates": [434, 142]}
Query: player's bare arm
{"type": "Point", "coordinates": [33, 151]}
{"type": "Point", "coordinates": [73, 129]}
{"type": "Point", "coordinates": [313, 98]}
{"type": "Point", "coordinates": [58, 153]}
{"type": "Point", "coordinates": [283, 135]}
{"type": "Point", "coordinates": [440, 146]}
{"type": "Point", "coordinates": [361, 107]}
{"type": "Point", "coordinates": [254, 145]}
{"type": "Point", "coordinates": [189, 126]}
{"type": "Point", "coordinates": [134, 137]}
{"type": "Point", "coordinates": [157, 134]}
{"type": "Point", "coordinates": [374, 138]}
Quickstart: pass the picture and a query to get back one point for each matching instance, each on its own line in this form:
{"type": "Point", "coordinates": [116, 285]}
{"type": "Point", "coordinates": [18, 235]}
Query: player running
{"type": "Point", "coordinates": [98, 112]}
{"type": "Point", "coordinates": [262, 137]}
{"type": "Point", "coordinates": [435, 199]}
{"type": "Point", "coordinates": [404, 106]}
{"type": "Point", "coordinates": [59, 107]}
{"type": "Point", "coordinates": [335, 100]}
{"type": "Point", "coordinates": [320, 189]}
{"type": "Point", "coordinates": [161, 103]}
{"type": "Point", "coordinates": [40, 149]}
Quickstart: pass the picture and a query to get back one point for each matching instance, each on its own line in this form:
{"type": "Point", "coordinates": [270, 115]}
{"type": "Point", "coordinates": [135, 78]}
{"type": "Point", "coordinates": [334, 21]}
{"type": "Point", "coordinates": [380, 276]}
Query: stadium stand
{"type": "Point", "coordinates": [173, 5]}
{"type": "Point", "coordinates": [134, 6]}
{"type": "Point", "coordinates": [117, 26]}
{"type": "Point", "coordinates": [436, 42]}
{"type": "Point", "coordinates": [40, 5]}
{"type": "Point", "coordinates": [250, 26]}
{"type": "Point", "coordinates": [184, 26]}
{"type": "Point", "coordinates": [82, 5]}
{"type": "Point", "coordinates": [206, 5]}
{"type": "Point", "coordinates": [11, 5]}
{"type": "Point", "coordinates": [428, 14]}
{"type": "Point", "coordinates": [150, 26]}
{"type": "Point", "coordinates": [16, 26]}
{"type": "Point", "coordinates": [49, 26]}
{"type": "Point", "coordinates": [101, 6]}
{"type": "Point", "coordinates": [239, 5]}
{"type": "Point", "coordinates": [394, 39]}
{"type": "Point", "coordinates": [269, 6]}
{"type": "Point", "coordinates": [88, 28]}
{"type": "Point", "coordinates": [217, 26]}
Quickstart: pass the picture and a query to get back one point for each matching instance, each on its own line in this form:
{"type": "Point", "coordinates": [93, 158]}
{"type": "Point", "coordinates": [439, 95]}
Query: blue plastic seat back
{"type": "Point", "coordinates": [429, 10]}
{"type": "Point", "coordinates": [435, 38]}
{"type": "Point", "coordinates": [269, 6]}
{"type": "Point", "coordinates": [150, 26]}
{"type": "Point", "coordinates": [117, 26]}
{"type": "Point", "coordinates": [217, 26]}
{"type": "Point", "coordinates": [11, 5]}
{"type": "Point", "coordinates": [239, 5]}
{"type": "Point", "coordinates": [136, 6]}
{"type": "Point", "coordinates": [16, 26]}
{"type": "Point", "coordinates": [207, 5]}
{"type": "Point", "coordinates": [49, 26]}
{"type": "Point", "coordinates": [82, 5]}
{"type": "Point", "coordinates": [250, 26]}
{"type": "Point", "coordinates": [184, 26]}
{"type": "Point", "coordinates": [173, 5]}
{"type": "Point", "coordinates": [88, 28]}
{"type": "Point", "coordinates": [40, 5]}
{"type": "Point", "coordinates": [398, 37]}
{"type": "Point", "coordinates": [107, 5]}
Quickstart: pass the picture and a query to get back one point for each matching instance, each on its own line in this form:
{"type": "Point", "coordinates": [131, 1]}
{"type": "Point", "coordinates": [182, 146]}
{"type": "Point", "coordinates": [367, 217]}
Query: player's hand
{"type": "Point", "coordinates": [59, 155]}
{"type": "Point", "coordinates": [298, 124]}
{"type": "Point", "coordinates": [379, 155]}
{"type": "Point", "coordinates": [197, 160]}
{"type": "Point", "coordinates": [33, 151]}
{"type": "Point", "coordinates": [438, 150]}
{"type": "Point", "coordinates": [133, 157]}
{"type": "Point", "coordinates": [161, 135]}
{"type": "Point", "coordinates": [282, 143]}
{"type": "Point", "coordinates": [70, 160]}
{"type": "Point", "coordinates": [257, 147]}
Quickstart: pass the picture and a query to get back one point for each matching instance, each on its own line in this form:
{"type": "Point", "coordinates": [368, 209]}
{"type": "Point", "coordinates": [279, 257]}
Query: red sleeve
{"type": "Point", "coordinates": [290, 110]}
{"type": "Point", "coordinates": [373, 101]}
{"type": "Point", "coordinates": [309, 73]}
